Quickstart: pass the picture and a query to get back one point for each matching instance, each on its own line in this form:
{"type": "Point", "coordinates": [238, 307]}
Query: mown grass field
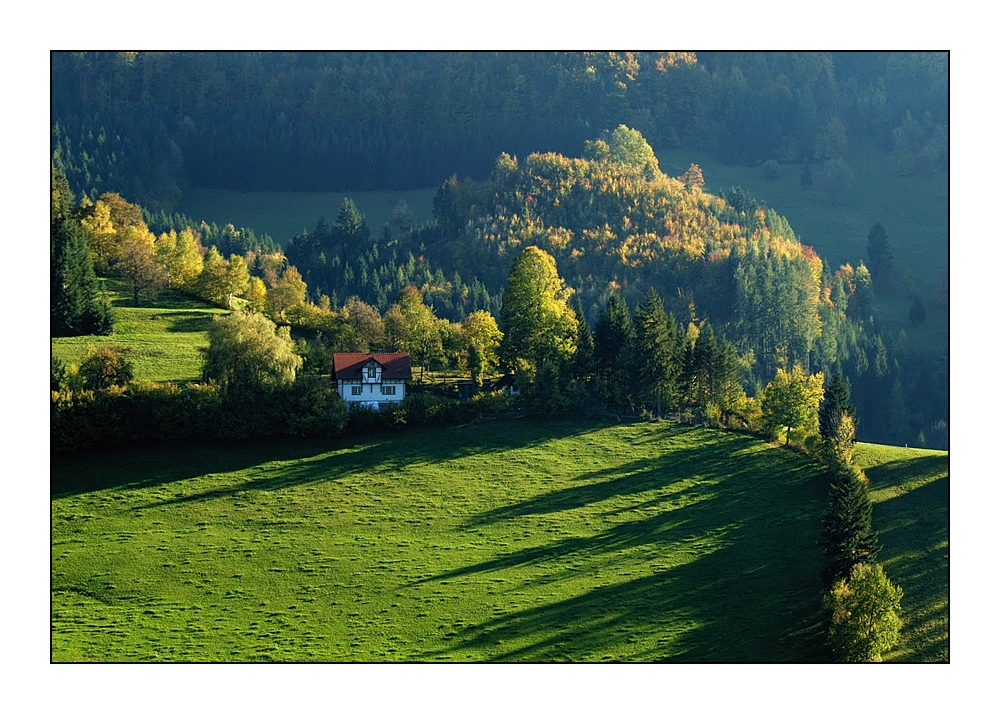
{"type": "Point", "coordinates": [286, 214]}
{"type": "Point", "coordinates": [910, 496]}
{"type": "Point", "coordinates": [509, 542]}
{"type": "Point", "coordinates": [165, 338]}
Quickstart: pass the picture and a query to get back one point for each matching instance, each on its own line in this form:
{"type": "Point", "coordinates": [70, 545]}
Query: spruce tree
{"type": "Point", "coordinates": [352, 227]}
{"type": "Point", "coordinates": [836, 402]}
{"type": "Point", "coordinates": [848, 535]}
{"type": "Point", "coordinates": [879, 253]}
{"type": "Point", "coordinates": [702, 365]}
{"type": "Point", "coordinates": [655, 364]}
{"type": "Point", "coordinates": [918, 313]}
{"type": "Point", "coordinates": [76, 307]}
{"type": "Point", "coordinates": [583, 359]}
{"type": "Point", "coordinates": [613, 334]}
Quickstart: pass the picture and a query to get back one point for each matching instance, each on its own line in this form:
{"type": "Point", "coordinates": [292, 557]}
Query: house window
{"type": "Point", "coordinates": [389, 390]}
{"type": "Point", "coordinates": [371, 373]}
{"type": "Point", "coordinates": [355, 391]}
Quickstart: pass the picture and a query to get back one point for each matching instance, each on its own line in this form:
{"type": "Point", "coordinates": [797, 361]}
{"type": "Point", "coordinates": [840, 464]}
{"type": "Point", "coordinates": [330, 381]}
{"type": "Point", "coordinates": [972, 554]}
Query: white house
{"type": "Point", "coordinates": [371, 379]}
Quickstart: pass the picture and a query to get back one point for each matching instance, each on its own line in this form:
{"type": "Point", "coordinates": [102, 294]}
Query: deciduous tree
{"type": "Point", "coordinates": [480, 334]}
{"type": "Point", "coordinates": [289, 291]}
{"type": "Point", "coordinates": [865, 615]}
{"type": "Point", "coordinates": [246, 351]}
{"type": "Point", "coordinates": [423, 333]}
{"type": "Point", "coordinates": [138, 265]}
{"type": "Point", "coordinates": [535, 315]}
{"type": "Point", "coordinates": [106, 367]}
{"type": "Point", "coordinates": [791, 400]}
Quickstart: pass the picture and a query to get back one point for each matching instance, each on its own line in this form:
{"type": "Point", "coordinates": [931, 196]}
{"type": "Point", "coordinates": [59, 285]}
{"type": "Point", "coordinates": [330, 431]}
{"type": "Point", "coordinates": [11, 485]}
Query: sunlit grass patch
{"type": "Point", "coordinates": [165, 339]}
{"type": "Point", "coordinates": [529, 542]}
{"type": "Point", "coordinates": [910, 493]}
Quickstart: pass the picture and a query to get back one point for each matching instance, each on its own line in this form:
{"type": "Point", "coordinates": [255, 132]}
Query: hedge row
{"type": "Point", "coordinates": [85, 419]}
{"type": "Point", "coordinates": [310, 407]}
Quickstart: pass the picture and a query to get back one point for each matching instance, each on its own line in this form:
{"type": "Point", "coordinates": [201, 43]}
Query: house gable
{"type": "Point", "coordinates": [371, 378]}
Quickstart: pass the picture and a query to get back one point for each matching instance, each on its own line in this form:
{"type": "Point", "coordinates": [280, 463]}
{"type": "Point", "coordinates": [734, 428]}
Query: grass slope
{"type": "Point", "coordinates": [527, 542]}
{"type": "Point", "coordinates": [910, 496]}
{"type": "Point", "coordinates": [166, 340]}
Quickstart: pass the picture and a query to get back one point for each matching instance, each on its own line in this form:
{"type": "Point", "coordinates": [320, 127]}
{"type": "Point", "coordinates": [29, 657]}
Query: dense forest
{"type": "Point", "coordinates": [150, 125]}
{"type": "Point", "coordinates": [587, 190]}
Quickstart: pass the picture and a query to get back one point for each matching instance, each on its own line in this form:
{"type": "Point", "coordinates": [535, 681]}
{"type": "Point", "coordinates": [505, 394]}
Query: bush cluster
{"type": "Point", "coordinates": [431, 409]}
{"type": "Point", "coordinates": [87, 418]}
{"type": "Point", "coordinates": [82, 419]}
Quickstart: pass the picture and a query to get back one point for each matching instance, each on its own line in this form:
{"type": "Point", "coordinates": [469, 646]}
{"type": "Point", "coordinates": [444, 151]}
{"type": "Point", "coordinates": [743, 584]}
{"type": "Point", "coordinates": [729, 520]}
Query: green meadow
{"type": "Point", "coordinates": [286, 214]}
{"type": "Point", "coordinates": [506, 542]}
{"type": "Point", "coordinates": [910, 496]}
{"type": "Point", "coordinates": [165, 340]}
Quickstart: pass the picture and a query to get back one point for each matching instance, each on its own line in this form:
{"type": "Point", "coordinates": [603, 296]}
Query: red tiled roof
{"type": "Point", "coordinates": [395, 365]}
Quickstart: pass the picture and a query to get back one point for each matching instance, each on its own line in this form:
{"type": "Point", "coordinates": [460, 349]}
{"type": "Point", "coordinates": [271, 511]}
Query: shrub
{"type": "Point", "coordinates": [864, 613]}
{"type": "Point", "coordinates": [85, 418]}
{"type": "Point", "coordinates": [106, 367]}
{"type": "Point", "coordinates": [770, 169]}
{"type": "Point", "coordinates": [313, 408]}
{"type": "Point", "coordinates": [58, 373]}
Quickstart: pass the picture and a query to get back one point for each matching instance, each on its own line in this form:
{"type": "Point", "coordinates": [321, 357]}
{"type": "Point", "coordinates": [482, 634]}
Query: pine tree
{"type": "Point", "coordinates": [352, 227]}
{"type": "Point", "coordinates": [76, 308]}
{"type": "Point", "coordinates": [879, 254]}
{"type": "Point", "coordinates": [613, 335]}
{"type": "Point", "coordinates": [848, 535]}
{"type": "Point", "coordinates": [836, 402]}
{"type": "Point", "coordinates": [655, 364]}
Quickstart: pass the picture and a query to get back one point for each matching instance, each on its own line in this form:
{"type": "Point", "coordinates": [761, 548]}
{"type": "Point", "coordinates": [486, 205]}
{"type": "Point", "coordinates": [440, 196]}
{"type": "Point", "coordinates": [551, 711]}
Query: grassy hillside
{"type": "Point", "coordinates": [912, 209]}
{"type": "Point", "coordinates": [910, 493]}
{"type": "Point", "coordinates": [570, 541]}
{"type": "Point", "coordinates": [165, 340]}
{"type": "Point", "coordinates": [286, 214]}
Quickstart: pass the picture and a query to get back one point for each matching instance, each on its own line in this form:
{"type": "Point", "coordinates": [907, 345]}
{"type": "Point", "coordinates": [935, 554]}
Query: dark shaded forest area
{"type": "Point", "coordinates": [149, 125]}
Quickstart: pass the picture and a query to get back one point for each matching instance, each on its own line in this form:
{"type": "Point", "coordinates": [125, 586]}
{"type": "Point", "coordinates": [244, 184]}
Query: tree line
{"type": "Point", "coordinates": [615, 224]}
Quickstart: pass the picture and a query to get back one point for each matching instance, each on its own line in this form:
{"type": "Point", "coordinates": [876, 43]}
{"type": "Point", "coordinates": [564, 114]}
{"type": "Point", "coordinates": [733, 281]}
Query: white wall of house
{"type": "Point", "coordinates": [375, 394]}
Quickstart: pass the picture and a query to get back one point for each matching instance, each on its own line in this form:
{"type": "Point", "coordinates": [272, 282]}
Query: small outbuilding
{"type": "Point", "coordinates": [371, 379]}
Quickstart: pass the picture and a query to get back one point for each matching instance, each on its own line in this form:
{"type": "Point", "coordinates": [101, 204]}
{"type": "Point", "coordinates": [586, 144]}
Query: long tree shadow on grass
{"type": "Point", "coordinates": [187, 321]}
{"type": "Point", "coordinates": [152, 464]}
{"type": "Point", "coordinates": [740, 566]}
{"type": "Point", "coordinates": [714, 455]}
{"type": "Point", "coordinates": [912, 517]}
